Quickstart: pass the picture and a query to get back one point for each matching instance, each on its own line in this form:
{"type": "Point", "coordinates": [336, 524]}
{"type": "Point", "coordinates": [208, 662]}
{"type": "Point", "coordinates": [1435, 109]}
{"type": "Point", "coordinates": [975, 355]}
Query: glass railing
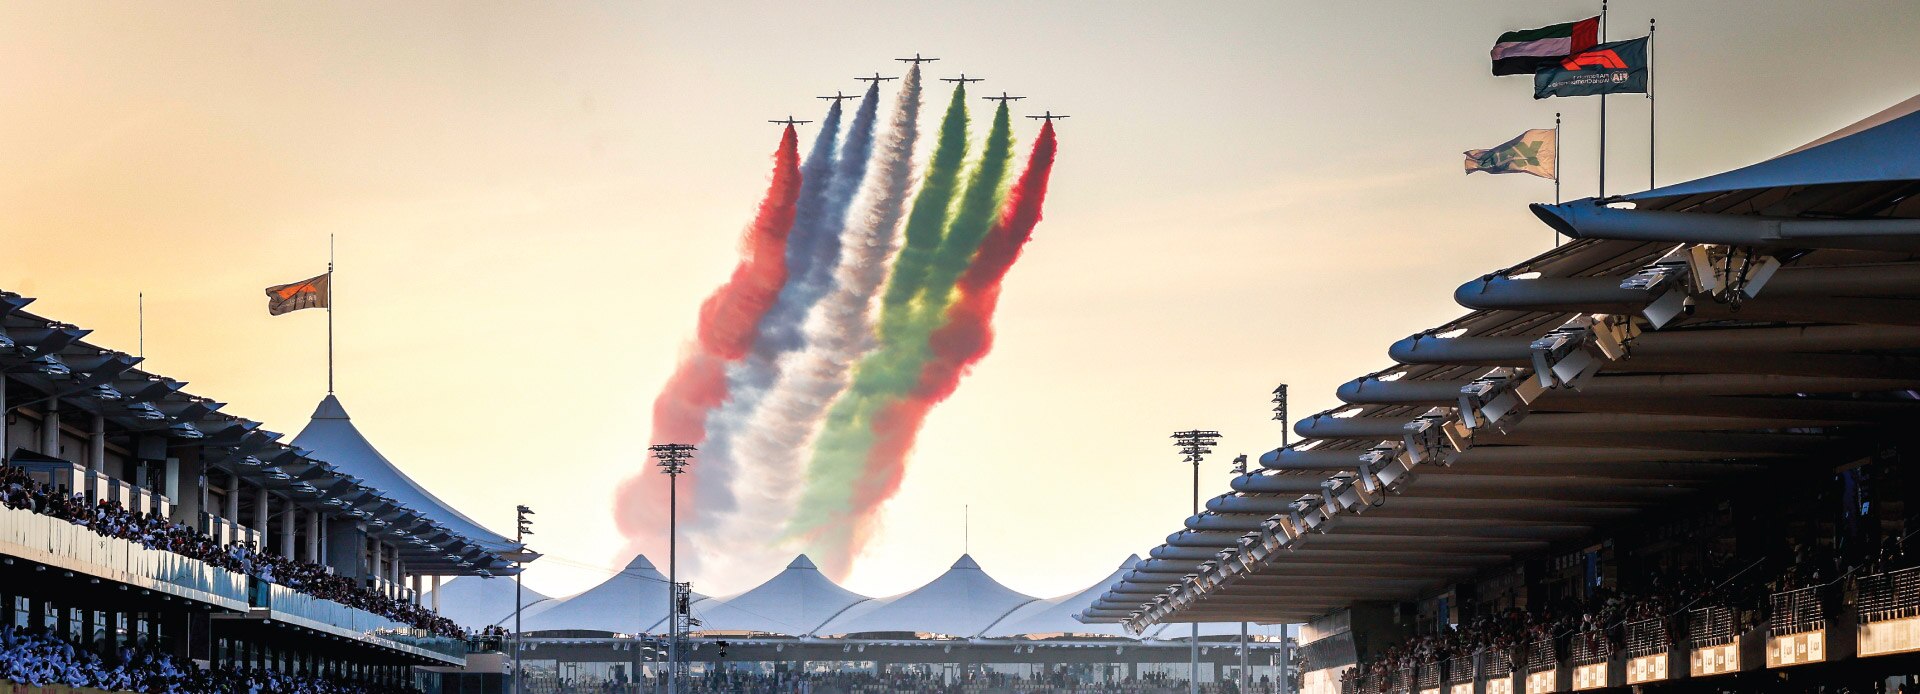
{"type": "Point", "coordinates": [118, 559]}
{"type": "Point", "coordinates": [288, 602]}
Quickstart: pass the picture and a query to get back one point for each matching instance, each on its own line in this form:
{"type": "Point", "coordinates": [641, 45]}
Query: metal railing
{"type": "Point", "coordinates": [1796, 612]}
{"type": "Point", "coordinates": [1648, 637]}
{"type": "Point", "coordinates": [34, 534]}
{"type": "Point", "coordinates": [1891, 595]}
{"type": "Point", "coordinates": [1460, 669]}
{"type": "Point", "coordinates": [1401, 681]}
{"type": "Point", "coordinates": [1427, 675]}
{"type": "Point", "coordinates": [1495, 664]}
{"type": "Point", "coordinates": [1711, 626]}
{"type": "Point", "coordinates": [1590, 647]}
{"type": "Point", "coordinates": [1541, 656]}
{"type": "Point", "coordinates": [320, 612]}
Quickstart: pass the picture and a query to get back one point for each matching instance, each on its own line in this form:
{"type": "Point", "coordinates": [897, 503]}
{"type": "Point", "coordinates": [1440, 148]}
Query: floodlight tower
{"type": "Point", "coordinates": [521, 529]}
{"type": "Point", "coordinates": [1280, 414]}
{"type": "Point", "coordinates": [1194, 445]}
{"type": "Point", "coordinates": [673, 459]}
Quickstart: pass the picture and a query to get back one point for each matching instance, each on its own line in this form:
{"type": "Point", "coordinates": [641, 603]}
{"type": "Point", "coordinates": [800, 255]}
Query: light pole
{"type": "Point", "coordinates": [1284, 681]}
{"type": "Point", "coordinates": [1194, 445]}
{"type": "Point", "coordinates": [673, 459]}
{"type": "Point", "coordinates": [521, 530]}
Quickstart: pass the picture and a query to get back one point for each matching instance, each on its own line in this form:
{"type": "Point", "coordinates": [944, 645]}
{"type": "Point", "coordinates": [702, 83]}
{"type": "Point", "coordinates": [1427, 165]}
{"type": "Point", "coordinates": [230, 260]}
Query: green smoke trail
{"type": "Point", "coordinates": [929, 216]}
{"type": "Point", "coordinates": [840, 487]}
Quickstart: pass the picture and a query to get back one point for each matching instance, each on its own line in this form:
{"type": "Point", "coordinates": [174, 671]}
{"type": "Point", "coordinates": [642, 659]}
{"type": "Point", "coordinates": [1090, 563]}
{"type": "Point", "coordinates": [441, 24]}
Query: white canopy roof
{"type": "Point", "coordinates": [964, 601]}
{"type": "Point", "coordinates": [1055, 615]}
{"type": "Point", "coordinates": [333, 438]}
{"type": "Point", "coordinates": [793, 602]}
{"type": "Point", "coordinates": [631, 602]}
{"type": "Point", "coordinates": [476, 601]}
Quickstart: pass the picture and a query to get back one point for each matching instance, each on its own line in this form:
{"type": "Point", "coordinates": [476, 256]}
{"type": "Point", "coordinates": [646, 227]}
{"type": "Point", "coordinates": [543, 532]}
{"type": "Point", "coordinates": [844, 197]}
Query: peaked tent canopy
{"type": "Point", "coordinates": [1056, 615]}
{"type": "Point", "coordinates": [476, 601]}
{"type": "Point", "coordinates": [964, 601]}
{"type": "Point", "coordinates": [792, 603]}
{"type": "Point", "coordinates": [633, 601]}
{"type": "Point", "coordinates": [333, 438]}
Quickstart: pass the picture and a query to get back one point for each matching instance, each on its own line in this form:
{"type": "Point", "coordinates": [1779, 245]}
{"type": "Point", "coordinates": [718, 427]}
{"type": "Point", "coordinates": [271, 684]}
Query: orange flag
{"type": "Point", "coordinates": [311, 293]}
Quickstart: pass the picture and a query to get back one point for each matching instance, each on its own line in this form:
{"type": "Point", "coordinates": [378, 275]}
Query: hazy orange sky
{"type": "Point", "coordinates": [532, 198]}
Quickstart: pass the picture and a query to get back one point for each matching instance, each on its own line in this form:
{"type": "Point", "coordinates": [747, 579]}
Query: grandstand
{"type": "Point", "coordinates": [170, 542]}
{"type": "Point", "coordinates": [1674, 453]}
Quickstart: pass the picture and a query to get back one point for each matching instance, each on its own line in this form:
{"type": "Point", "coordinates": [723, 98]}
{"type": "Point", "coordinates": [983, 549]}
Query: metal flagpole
{"type": "Point", "coordinates": [329, 314]}
{"type": "Point", "coordinates": [1556, 171]}
{"type": "Point", "coordinates": [1650, 121]}
{"type": "Point", "coordinates": [1603, 109]}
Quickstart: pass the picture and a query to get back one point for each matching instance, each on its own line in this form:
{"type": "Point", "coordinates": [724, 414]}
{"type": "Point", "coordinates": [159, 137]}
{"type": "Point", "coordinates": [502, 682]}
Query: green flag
{"type": "Point", "coordinates": [1533, 152]}
{"type": "Point", "coordinates": [1609, 68]}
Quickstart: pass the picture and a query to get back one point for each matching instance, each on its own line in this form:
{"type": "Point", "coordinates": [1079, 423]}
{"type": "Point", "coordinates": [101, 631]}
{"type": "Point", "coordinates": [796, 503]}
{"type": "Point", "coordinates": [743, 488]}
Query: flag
{"type": "Point", "coordinates": [1609, 68]}
{"type": "Point", "coordinates": [310, 293]}
{"type": "Point", "coordinates": [1533, 152]}
{"type": "Point", "coordinates": [1525, 52]}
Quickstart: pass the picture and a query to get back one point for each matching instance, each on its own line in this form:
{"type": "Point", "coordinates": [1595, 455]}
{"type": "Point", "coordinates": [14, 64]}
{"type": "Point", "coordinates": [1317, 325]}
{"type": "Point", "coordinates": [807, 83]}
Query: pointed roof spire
{"type": "Point", "coordinates": [802, 562]}
{"type": "Point", "coordinates": [966, 562]}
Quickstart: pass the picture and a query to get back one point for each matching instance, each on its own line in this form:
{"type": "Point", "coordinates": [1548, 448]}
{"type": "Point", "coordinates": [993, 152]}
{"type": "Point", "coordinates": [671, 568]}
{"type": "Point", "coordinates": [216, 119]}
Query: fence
{"type": "Point", "coordinates": [1590, 647]}
{"type": "Point", "coordinates": [1711, 626]}
{"type": "Point", "coordinates": [1541, 656]}
{"type": "Point", "coordinates": [1647, 637]}
{"type": "Point", "coordinates": [1891, 595]}
{"type": "Point", "coordinates": [1797, 612]}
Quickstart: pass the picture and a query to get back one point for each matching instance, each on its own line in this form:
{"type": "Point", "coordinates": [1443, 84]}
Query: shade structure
{"type": "Point", "coordinates": [791, 603]}
{"type": "Point", "coordinates": [962, 602]}
{"type": "Point", "coordinates": [1056, 615]}
{"type": "Point", "coordinates": [633, 601]}
{"type": "Point", "coordinates": [476, 601]}
{"type": "Point", "coordinates": [333, 438]}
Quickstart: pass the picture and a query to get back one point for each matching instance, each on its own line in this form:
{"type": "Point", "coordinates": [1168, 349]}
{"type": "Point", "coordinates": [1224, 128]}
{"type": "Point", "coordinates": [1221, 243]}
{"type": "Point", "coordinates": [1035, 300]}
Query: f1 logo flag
{"type": "Point", "coordinates": [1609, 68]}
{"type": "Point", "coordinates": [311, 293]}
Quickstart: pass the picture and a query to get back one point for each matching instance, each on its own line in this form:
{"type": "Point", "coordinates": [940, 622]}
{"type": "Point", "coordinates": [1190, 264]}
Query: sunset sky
{"type": "Point", "coordinates": [532, 198]}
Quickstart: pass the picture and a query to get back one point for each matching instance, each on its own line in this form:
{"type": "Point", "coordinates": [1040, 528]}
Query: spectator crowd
{"type": "Point", "coordinates": [39, 659]}
{"type": "Point", "coordinates": [18, 490]}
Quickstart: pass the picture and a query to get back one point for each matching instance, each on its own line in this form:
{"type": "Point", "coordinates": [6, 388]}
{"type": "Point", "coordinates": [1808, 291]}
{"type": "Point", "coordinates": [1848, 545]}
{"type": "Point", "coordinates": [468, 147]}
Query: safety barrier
{"type": "Point", "coordinates": [48, 540]}
{"type": "Point", "coordinates": [1889, 611]}
{"type": "Point", "coordinates": [1797, 628]}
{"type": "Point", "coordinates": [1713, 642]}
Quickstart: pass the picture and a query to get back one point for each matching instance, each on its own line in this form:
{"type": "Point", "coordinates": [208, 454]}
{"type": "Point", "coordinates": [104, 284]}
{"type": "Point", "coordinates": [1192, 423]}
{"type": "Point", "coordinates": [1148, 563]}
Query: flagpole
{"type": "Point", "coordinates": [1603, 109]}
{"type": "Point", "coordinates": [1650, 121]}
{"type": "Point", "coordinates": [1556, 171]}
{"type": "Point", "coordinates": [329, 314]}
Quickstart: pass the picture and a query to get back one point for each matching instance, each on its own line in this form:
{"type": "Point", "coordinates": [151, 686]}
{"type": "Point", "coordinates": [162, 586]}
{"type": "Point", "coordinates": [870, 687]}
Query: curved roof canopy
{"type": "Point", "coordinates": [793, 602]}
{"type": "Point", "coordinates": [633, 601]}
{"type": "Point", "coordinates": [332, 437]}
{"type": "Point", "coordinates": [478, 600]}
{"type": "Point", "coordinates": [964, 601]}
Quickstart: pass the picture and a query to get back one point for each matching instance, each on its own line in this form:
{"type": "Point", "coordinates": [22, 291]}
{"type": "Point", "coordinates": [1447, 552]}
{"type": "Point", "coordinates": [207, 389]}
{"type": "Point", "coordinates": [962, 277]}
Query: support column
{"type": "Point", "coordinates": [375, 573]}
{"type": "Point", "coordinates": [261, 518]}
{"type": "Point", "coordinates": [97, 446]}
{"type": "Point", "coordinates": [313, 536]}
{"type": "Point", "coordinates": [416, 589]}
{"type": "Point", "coordinates": [6, 453]}
{"type": "Point", "coordinates": [50, 429]}
{"type": "Point", "coordinates": [232, 512]}
{"type": "Point", "coordinates": [287, 519]}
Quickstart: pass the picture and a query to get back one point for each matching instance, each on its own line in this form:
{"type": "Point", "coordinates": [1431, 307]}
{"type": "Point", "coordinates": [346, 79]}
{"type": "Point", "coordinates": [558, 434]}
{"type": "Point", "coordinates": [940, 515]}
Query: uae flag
{"type": "Point", "coordinates": [1525, 52]}
{"type": "Point", "coordinates": [309, 293]}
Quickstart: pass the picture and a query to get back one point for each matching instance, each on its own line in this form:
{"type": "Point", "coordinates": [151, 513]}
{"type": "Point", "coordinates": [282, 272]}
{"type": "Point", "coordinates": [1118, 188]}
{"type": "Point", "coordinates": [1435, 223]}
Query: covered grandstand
{"type": "Point", "coordinates": [141, 516]}
{"type": "Point", "coordinates": [1674, 451]}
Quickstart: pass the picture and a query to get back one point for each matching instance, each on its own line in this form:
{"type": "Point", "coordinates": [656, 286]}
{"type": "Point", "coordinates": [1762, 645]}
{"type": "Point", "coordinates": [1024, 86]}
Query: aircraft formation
{"type": "Point", "coordinates": [962, 80]}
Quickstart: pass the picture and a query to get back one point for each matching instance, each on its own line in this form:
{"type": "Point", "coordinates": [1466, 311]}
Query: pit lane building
{"type": "Point", "coordinates": [1715, 378]}
{"type": "Point", "coordinates": [84, 419]}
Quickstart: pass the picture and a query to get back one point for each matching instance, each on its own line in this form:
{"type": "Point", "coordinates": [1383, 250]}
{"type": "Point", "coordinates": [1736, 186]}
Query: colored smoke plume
{"type": "Point", "coordinates": [968, 334]}
{"type": "Point", "coordinates": [728, 320]}
{"type": "Point", "coordinates": [842, 453]}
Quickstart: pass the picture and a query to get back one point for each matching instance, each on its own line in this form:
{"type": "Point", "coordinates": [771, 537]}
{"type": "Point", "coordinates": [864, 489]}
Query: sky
{"type": "Point", "coordinates": [530, 200]}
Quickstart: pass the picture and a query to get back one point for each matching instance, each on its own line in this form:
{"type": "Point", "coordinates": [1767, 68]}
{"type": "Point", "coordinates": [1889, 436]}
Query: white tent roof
{"type": "Point", "coordinates": [476, 601]}
{"type": "Point", "coordinates": [631, 602]}
{"type": "Point", "coordinates": [333, 438]}
{"type": "Point", "coordinates": [1055, 615]}
{"type": "Point", "coordinates": [964, 601]}
{"type": "Point", "coordinates": [793, 602]}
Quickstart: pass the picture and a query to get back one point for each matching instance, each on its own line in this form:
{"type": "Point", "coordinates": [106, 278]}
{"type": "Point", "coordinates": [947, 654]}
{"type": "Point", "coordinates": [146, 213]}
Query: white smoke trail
{"type": "Point", "coordinates": [774, 446]}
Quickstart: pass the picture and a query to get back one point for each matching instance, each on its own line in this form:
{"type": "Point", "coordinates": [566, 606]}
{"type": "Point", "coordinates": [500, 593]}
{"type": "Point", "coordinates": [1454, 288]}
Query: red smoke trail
{"type": "Point", "coordinates": [957, 346]}
{"type": "Point", "coordinates": [729, 319]}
